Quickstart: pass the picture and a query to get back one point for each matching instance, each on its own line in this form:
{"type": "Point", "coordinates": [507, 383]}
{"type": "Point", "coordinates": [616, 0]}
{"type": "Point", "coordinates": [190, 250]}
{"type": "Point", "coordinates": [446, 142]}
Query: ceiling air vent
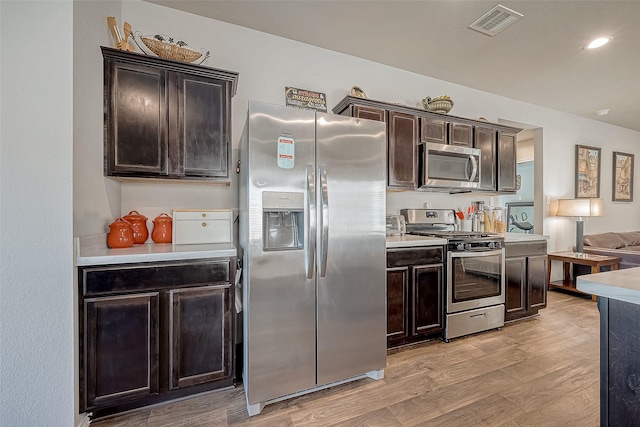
{"type": "Point", "coordinates": [496, 20]}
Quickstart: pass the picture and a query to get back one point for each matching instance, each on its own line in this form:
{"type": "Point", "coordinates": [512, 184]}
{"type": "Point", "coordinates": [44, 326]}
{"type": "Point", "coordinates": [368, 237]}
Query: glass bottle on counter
{"type": "Point", "coordinates": [478, 216]}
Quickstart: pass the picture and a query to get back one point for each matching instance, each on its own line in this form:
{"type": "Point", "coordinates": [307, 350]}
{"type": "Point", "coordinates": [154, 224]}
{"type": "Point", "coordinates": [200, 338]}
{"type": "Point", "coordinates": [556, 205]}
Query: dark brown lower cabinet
{"type": "Point", "coordinates": [121, 343]}
{"type": "Point", "coordinates": [526, 279]}
{"type": "Point", "coordinates": [152, 332]}
{"type": "Point", "coordinates": [397, 303]}
{"type": "Point", "coordinates": [415, 299]}
{"type": "Point", "coordinates": [200, 345]}
{"type": "Point", "coordinates": [619, 363]}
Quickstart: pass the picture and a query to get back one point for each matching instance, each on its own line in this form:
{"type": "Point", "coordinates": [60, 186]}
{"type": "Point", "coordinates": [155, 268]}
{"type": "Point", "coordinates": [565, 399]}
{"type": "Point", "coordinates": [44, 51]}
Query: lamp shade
{"type": "Point", "coordinates": [580, 207]}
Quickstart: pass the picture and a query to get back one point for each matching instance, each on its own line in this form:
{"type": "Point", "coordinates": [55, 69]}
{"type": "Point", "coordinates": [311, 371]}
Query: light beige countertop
{"type": "Point", "coordinates": [410, 240]}
{"type": "Point", "coordinates": [622, 285]}
{"type": "Point", "coordinates": [522, 237]}
{"type": "Point", "coordinates": [93, 250]}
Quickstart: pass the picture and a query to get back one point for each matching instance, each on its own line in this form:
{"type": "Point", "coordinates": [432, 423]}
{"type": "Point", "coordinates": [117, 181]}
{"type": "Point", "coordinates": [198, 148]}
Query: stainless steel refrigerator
{"type": "Point", "coordinates": [312, 230]}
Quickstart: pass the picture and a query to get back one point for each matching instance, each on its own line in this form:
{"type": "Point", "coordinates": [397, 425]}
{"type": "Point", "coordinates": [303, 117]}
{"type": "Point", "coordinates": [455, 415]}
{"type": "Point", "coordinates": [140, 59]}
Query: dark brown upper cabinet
{"type": "Point", "coordinates": [485, 141]}
{"type": "Point", "coordinates": [507, 157]}
{"type": "Point", "coordinates": [369, 113]}
{"type": "Point", "coordinates": [166, 119]}
{"type": "Point", "coordinates": [461, 134]}
{"type": "Point", "coordinates": [403, 151]}
{"type": "Point", "coordinates": [408, 127]}
{"type": "Point", "coordinates": [498, 156]}
{"type": "Point", "coordinates": [402, 143]}
{"type": "Point", "coordinates": [434, 130]}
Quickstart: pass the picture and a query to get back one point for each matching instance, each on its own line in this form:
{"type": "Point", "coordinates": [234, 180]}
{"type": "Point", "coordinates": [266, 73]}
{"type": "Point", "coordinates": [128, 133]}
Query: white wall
{"type": "Point", "coordinates": [525, 149]}
{"type": "Point", "coordinates": [36, 256]}
{"type": "Point", "coordinates": [268, 63]}
{"type": "Point", "coordinates": [96, 199]}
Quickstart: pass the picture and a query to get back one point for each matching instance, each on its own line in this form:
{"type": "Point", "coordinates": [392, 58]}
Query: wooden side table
{"type": "Point", "coordinates": [568, 258]}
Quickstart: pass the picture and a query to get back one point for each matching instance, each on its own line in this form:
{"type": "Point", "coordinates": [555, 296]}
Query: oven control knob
{"type": "Point", "coordinates": [498, 245]}
{"type": "Point", "coordinates": [460, 247]}
{"type": "Point", "coordinates": [491, 245]}
{"type": "Point", "coordinates": [467, 246]}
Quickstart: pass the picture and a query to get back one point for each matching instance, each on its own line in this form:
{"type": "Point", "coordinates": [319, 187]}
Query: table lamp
{"type": "Point", "coordinates": [579, 208]}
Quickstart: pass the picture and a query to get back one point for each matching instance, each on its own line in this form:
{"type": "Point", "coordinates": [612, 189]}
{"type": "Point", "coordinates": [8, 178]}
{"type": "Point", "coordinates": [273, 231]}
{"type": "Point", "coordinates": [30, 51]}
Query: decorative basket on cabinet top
{"type": "Point", "coordinates": [440, 104]}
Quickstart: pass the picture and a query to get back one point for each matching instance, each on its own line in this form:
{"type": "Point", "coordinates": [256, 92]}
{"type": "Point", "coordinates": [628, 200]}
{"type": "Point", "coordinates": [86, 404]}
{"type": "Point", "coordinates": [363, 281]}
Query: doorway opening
{"type": "Point", "coordinates": [528, 202]}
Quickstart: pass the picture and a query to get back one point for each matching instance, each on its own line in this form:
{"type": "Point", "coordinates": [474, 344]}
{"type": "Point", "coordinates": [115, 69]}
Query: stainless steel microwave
{"type": "Point", "coordinates": [449, 167]}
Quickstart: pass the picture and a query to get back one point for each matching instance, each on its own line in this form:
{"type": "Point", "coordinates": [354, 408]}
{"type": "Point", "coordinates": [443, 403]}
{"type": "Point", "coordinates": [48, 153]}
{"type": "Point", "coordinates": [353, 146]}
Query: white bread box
{"type": "Point", "coordinates": [199, 226]}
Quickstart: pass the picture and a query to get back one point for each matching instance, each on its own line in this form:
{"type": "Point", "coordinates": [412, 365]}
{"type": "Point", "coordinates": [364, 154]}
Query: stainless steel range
{"type": "Point", "coordinates": [475, 285]}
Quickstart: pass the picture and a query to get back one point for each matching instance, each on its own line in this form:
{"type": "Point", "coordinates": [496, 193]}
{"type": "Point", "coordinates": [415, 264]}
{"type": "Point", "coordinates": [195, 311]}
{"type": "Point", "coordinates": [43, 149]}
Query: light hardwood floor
{"type": "Point", "coordinates": [538, 372]}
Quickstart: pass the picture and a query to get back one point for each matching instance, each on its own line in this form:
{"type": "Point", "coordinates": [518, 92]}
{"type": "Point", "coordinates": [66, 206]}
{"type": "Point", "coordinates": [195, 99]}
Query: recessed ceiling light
{"type": "Point", "coordinates": [603, 112]}
{"type": "Point", "coordinates": [599, 42]}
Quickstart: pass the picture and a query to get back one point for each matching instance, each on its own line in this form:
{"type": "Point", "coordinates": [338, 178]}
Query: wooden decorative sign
{"type": "Point", "coordinates": [307, 99]}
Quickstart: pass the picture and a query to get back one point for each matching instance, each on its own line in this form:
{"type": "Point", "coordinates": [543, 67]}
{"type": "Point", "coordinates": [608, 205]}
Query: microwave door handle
{"type": "Point", "coordinates": [324, 222]}
{"type": "Point", "coordinates": [474, 168]}
{"type": "Point", "coordinates": [310, 241]}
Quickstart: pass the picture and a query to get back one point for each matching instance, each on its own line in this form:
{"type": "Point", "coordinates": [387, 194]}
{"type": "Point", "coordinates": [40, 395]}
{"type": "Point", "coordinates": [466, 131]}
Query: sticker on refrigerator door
{"type": "Point", "coordinates": [286, 152]}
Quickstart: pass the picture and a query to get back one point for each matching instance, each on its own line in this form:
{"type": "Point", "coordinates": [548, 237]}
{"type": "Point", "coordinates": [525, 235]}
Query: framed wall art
{"type": "Point", "coordinates": [587, 172]}
{"type": "Point", "coordinates": [622, 177]}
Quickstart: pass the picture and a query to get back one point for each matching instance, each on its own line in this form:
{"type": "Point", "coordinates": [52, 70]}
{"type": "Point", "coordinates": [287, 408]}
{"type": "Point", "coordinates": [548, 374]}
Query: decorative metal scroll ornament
{"type": "Point", "coordinates": [166, 47]}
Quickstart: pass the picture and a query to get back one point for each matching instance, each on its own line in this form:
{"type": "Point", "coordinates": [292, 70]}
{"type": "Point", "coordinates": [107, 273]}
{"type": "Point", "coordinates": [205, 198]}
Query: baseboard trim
{"type": "Point", "coordinates": [85, 421]}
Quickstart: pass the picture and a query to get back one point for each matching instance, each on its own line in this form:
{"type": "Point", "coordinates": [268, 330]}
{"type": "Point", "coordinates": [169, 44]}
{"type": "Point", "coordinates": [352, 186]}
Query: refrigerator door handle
{"type": "Point", "coordinates": [324, 221]}
{"type": "Point", "coordinates": [310, 241]}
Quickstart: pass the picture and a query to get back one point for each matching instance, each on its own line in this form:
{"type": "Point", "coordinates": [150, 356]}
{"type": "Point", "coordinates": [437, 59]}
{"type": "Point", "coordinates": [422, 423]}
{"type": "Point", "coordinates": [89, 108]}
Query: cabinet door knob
{"type": "Point", "coordinates": [204, 224]}
{"type": "Point", "coordinates": [204, 215]}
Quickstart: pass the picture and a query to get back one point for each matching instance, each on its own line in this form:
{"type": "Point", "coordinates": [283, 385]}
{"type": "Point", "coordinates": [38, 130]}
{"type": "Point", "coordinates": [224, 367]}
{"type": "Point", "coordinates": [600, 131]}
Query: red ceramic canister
{"type": "Point", "coordinates": [139, 225]}
{"type": "Point", "coordinates": [120, 234]}
{"type": "Point", "coordinates": [162, 228]}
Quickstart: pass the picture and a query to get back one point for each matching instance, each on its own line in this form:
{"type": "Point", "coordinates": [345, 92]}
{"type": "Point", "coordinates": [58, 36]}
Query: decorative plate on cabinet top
{"type": "Point", "coordinates": [356, 91]}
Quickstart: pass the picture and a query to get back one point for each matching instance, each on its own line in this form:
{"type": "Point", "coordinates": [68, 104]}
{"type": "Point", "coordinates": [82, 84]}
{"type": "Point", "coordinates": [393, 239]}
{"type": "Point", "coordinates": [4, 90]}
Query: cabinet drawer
{"type": "Point", "coordinates": [525, 249]}
{"type": "Point", "coordinates": [204, 226]}
{"type": "Point", "coordinates": [414, 256]}
{"type": "Point", "coordinates": [142, 277]}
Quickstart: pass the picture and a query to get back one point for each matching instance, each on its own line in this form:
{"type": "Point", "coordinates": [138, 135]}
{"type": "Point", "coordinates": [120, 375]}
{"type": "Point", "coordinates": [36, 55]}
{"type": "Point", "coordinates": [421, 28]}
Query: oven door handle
{"type": "Point", "coordinates": [474, 254]}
